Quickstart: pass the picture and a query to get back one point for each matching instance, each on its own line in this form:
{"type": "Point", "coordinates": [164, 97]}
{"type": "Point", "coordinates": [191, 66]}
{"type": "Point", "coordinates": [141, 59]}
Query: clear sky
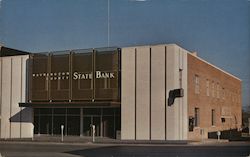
{"type": "Point", "coordinates": [219, 30]}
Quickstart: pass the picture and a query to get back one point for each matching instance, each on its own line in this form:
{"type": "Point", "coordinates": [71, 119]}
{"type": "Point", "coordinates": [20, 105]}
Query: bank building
{"type": "Point", "coordinates": [152, 92]}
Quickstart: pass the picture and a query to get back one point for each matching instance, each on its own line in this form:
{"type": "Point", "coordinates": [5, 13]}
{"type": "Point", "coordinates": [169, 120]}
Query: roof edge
{"type": "Point", "coordinates": [229, 74]}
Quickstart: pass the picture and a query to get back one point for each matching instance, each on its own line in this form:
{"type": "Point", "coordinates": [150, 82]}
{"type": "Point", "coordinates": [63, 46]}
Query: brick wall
{"type": "Point", "coordinates": [225, 101]}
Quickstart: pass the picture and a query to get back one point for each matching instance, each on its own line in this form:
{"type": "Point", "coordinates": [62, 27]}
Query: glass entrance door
{"type": "Point", "coordinates": [88, 121]}
{"type": "Point", "coordinates": [97, 122]}
{"type": "Point", "coordinates": [77, 121]}
{"type": "Point", "coordinates": [86, 126]}
{"type": "Point", "coordinates": [108, 126]}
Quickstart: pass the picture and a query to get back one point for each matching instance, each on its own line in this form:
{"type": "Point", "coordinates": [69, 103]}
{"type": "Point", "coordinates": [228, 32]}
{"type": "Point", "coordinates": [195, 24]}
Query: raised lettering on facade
{"type": "Point", "coordinates": [76, 75]}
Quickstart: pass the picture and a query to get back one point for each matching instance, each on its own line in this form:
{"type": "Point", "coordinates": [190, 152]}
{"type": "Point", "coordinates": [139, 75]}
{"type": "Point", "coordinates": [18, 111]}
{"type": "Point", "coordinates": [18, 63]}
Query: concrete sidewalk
{"type": "Point", "coordinates": [98, 140]}
{"type": "Point", "coordinates": [111, 141]}
{"type": "Point", "coordinates": [209, 141]}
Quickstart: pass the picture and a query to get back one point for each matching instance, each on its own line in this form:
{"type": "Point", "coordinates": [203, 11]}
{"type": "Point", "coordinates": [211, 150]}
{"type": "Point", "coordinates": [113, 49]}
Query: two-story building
{"type": "Point", "coordinates": [153, 92]}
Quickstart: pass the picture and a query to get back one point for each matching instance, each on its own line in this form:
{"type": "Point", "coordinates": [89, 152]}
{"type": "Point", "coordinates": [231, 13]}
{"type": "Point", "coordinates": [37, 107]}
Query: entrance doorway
{"type": "Point", "coordinates": [77, 121]}
{"type": "Point", "coordinates": [88, 121]}
{"type": "Point", "coordinates": [108, 126]}
{"type": "Point", "coordinates": [105, 121]}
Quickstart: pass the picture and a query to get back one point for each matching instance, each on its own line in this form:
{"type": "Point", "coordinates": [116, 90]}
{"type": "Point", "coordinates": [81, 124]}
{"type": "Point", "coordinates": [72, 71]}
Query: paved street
{"type": "Point", "coordinates": [29, 149]}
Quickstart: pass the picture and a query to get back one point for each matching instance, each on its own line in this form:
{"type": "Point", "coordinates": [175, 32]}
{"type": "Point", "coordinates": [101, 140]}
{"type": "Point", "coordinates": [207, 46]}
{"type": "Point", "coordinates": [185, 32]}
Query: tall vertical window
{"type": "Point", "coordinates": [218, 90]}
{"type": "Point", "coordinates": [213, 117]}
{"type": "Point", "coordinates": [197, 84]}
{"type": "Point", "coordinates": [223, 93]}
{"type": "Point", "coordinates": [207, 87]}
{"type": "Point", "coordinates": [196, 116]}
{"type": "Point", "coordinates": [212, 88]}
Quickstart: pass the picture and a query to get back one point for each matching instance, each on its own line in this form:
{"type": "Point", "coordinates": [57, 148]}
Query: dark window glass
{"type": "Point", "coordinates": [108, 126]}
{"type": "Point", "coordinates": [97, 122]}
{"type": "Point", "coordinates": [45, 124]}
{"type": "Point", "coordinates": [117, 111]}
{"type": "Point", "coordinates": [73, 125]}
{"type": "Point", "coordinates": [59, 110]}
{"type": "Point", "coordinates": [36, 124]}
{"type": "Point", "coordinates": [108, 111]}
{"type": "Point", "coordinates": [87, 121]}
{"type": "Point", "coordinates": [58, 121]}
{"type": "Point", "coordinates": [75, 111]}
{"type": "Point", "coordinates": [196, 117]}
{"type": "Point", "coordinates": [45, 111]}
{"type": "Point", "coordinates": [191, 123]}
{"type": "Point", "coordinates": [213, 117]}
{"type": "Point", "coordinates": [91, 111]}
{"type": "Point", "coordinates": [118, 123]}
{"type": "Point", "coordinates": [36, 111]}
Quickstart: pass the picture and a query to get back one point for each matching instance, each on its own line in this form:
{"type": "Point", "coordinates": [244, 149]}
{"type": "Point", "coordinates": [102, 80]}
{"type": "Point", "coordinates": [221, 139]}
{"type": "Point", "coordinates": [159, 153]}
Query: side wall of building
{"type": "Point", "coordinates": [148, 74]}
{"type": "Point", "coordinates": [215, 90]}
{"type": "Point", "coordinates": [16, 122]}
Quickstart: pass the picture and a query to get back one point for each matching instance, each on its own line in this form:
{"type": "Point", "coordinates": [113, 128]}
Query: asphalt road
{"type": "Point", "coordinates": [26, 149]}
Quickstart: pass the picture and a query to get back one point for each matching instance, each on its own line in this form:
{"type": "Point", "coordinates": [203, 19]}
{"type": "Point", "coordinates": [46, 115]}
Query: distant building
{"type": "Point", "coordinates": [155, 92]}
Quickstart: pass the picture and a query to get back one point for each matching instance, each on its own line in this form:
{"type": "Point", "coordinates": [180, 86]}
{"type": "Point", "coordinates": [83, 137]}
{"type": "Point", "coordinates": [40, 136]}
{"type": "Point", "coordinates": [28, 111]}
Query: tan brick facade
{"type": "Point", "coordinates": [210, 88]}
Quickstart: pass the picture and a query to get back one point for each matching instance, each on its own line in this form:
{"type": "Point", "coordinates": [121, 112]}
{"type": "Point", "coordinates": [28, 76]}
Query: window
{"type": "Point", "coordinates": [223, 93]}
{"type": "Point", "coordinates": [191, 123]}
{"type": "Point", "coordinates": [218, 90]}
{"type": "Point", "coordinates": [213, 117]}
{"type": "Point", "coordinates": [207, 86]}
{"type": "Point", "coordinates": [212, 88]}
{"type": "Point", "coordinates": [196, 116]}
{"type": "Point", "coordinates": [197, 84]}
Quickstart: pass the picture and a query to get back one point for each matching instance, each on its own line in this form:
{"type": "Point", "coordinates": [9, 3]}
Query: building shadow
{"type": "Point", "coordinates": [162, 151]}
{"type": "Point", "coordinates": [22, 116]}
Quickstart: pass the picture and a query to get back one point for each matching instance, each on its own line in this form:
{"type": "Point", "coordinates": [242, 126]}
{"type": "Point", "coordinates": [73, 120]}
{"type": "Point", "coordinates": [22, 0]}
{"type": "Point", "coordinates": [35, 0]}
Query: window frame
{"type": "Point", "coordinates": [207, 87]}
{"type": "Point", "coordinates": [196, 117]}
{"type": "Point", "coordinates": [196, 84]}
{"type": "Point", "coordinates": [213, 115]}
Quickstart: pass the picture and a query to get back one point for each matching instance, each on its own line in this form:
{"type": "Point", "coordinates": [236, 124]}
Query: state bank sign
{"type": "Point", "coordinates": [75, 76]}
{"type": "Point", "coordinates": [98, 74]}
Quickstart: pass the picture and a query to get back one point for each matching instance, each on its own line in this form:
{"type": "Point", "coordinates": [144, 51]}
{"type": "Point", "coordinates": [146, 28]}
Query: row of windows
{"type": "Point", "coordinates": [195, 121]}
{"type": "Point", "coordinates": [214, 90]}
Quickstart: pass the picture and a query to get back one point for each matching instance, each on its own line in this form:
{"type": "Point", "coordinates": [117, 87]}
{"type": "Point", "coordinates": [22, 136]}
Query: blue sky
{"type": "Point", "coordinates": [219, 30]}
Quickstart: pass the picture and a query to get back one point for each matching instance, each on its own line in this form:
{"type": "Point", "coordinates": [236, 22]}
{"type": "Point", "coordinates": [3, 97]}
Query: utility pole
{"type": "Point", "coordinates": [108, 21]}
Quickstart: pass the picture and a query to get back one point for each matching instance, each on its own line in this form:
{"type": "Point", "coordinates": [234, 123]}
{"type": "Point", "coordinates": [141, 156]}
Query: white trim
{"type": "Point", "coordinates": [215, 66]}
